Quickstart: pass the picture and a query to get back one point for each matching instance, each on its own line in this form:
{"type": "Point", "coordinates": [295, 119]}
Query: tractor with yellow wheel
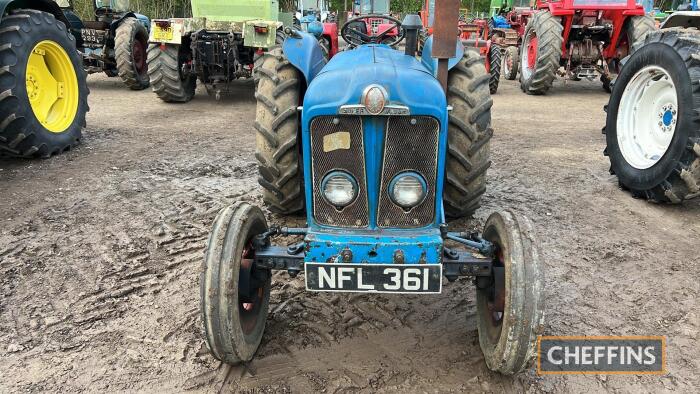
{"type": "Point", "coordinates": [43, 93]}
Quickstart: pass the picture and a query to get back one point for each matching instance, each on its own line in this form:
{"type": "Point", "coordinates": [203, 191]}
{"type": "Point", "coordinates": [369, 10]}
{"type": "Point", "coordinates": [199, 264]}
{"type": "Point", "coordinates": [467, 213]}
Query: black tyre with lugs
{"type": "Point", "coordinates": [469, 133]}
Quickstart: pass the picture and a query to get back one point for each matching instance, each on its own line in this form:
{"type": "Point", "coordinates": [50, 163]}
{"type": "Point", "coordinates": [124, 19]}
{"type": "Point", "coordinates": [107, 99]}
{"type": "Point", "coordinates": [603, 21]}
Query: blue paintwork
{"type": "Point", "coordinates": [499, 21]}
{"type": "Point", "coordinates": [419, 247]}
{"type": "Point", "coordinates": [430, 63]}
{"type": "Point", "coordinates": [145, 21]}
{"type": "Point", "coordinates": [668, 118]}
{"type": "Point", "coordinates": [305, 53]}
{"type": "Point", "coordinates": [408, 82]}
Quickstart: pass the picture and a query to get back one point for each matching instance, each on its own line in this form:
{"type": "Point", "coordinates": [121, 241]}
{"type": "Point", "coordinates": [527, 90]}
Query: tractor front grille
{"type": "Point", "coordinates": [410, 144]}
{"type": "Point", "coordinates": [333, 154]}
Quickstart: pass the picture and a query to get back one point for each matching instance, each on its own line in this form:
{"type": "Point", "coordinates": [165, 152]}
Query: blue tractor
{"type": "Point", "coordinates": [378, 146]}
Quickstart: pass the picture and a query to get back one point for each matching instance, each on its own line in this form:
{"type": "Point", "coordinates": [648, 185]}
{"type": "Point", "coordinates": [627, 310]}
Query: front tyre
{"type": "Point", "coordinates": [540, 53]}
{"type": "Point", "coordinates": [494, 68]}
{"type": "Point", "coordinates": [510, 63]}
{"type": "Point", "coordinates": [469, 133]}
{"type": "Point", "coordinates": [510, 305]}
{"type": "Point", "coordinates": [652, 127]}
{"type": "Point", "coordinates": [44, 92]}
{"type": "Point", "coordinates": [234, 294]}
{"type": "Point", "coordinates": [130, 46]}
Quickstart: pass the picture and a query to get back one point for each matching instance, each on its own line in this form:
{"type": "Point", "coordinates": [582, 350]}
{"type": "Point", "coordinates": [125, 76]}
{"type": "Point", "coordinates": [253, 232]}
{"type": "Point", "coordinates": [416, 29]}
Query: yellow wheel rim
{"type": "Point", "coordinates": [52, 86]}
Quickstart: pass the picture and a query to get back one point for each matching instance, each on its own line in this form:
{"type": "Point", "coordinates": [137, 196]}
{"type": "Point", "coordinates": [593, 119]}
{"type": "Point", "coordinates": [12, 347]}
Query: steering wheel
{"type": "Point", "coordinates": [353, 35]}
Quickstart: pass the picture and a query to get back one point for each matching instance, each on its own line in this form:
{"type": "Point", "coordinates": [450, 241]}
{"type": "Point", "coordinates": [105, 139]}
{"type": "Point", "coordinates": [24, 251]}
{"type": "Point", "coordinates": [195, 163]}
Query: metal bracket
{"type": "Point", "coordinates": [460, 263]}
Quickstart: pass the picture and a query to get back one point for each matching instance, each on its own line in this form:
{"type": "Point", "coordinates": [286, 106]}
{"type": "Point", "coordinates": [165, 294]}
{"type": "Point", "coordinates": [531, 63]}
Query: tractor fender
{"type": "Point", "coordinates": [304, 52]}
{"type": "Point", "coordinates": [41, 5]}
{"type": "Point", "coordinates": [684, 19]}
{"type": "Point", "coordinates": [430, 62]}
{"type": "Point", "coordinates": [141, 18]}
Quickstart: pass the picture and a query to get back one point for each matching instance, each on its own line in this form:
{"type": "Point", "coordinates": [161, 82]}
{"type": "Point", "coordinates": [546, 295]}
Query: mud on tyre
{"type": "Point", "coordinates": [234, 294]}
{"type": "Point", "coordinates": [510, 303]}
{"type": "Point", "coordinates": [277, 123]}
{"type": "Point", "coordinates": [166, 75]}
{"type": "Point", "coordinates": [653, 118]}
{"type": "Point", "coordinates": [130, 46]}
{"type": "Point", "coordinates": [510, 63]}
{"type": "Point", "coordinates": [39, 52]}
{"type": "Point", "coordinates": [469, 133]}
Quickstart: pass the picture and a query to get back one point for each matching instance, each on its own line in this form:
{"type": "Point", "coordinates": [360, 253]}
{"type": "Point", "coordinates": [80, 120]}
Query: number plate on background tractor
{"type": "Point", "coordinates": [374, 278]}
{"type": "Point", "coordinates": [160, 34]}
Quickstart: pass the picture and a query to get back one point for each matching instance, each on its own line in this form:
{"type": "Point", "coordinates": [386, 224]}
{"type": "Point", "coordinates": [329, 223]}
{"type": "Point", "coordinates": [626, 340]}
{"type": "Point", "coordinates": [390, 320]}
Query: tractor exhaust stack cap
{"type": "Point", "coordinates": [411, 25]}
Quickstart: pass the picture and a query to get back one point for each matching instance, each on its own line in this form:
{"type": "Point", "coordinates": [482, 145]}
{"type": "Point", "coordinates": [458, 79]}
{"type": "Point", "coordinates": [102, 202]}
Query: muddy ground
{"type": "Point", "coordinates": [100, 251]}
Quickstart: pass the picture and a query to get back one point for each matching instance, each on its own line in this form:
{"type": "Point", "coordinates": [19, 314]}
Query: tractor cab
{"type": "Point", "coordinates": [377, 147]}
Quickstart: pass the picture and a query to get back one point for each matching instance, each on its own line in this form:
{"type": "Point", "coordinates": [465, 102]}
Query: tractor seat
{"type": "Point", "coordinates": [97, 25]}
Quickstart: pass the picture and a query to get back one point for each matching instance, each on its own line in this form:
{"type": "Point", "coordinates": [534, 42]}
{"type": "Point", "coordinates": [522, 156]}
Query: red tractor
{"type": "Point", "coordinates": [475, 35]}
{"type": "Point", "coordinates": [588, 38]}
{"type": "Point", "coordinates": [508, 22]}
{"type": "Point", "coordinates": [375, 23]}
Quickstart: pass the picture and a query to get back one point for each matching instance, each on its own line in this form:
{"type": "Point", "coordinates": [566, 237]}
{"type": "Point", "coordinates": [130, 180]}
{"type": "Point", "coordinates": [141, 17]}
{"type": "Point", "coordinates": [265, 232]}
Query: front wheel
{"type": "Point", "coordinates": [510, 63]}
{"type": "Point", "coordinates": [494, 68]}
{"type": "Point", "coordinates": [234, 294]}
{"type": "Point", "coordinates": [652, 127]}
{"type": "Point", "coordinates": [510, 305]}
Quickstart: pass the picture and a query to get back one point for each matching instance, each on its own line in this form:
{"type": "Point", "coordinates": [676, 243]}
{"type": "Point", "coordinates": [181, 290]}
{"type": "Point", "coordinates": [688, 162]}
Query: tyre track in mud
{"type": "Point", "coordinates": [101, 248]}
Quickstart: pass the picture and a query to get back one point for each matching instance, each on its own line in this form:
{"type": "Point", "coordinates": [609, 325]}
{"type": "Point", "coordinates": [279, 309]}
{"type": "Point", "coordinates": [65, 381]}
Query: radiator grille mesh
{"type": "Point", "coordinates": [409, 147]}
{"type": "Point", "coordinates": [336, 155]}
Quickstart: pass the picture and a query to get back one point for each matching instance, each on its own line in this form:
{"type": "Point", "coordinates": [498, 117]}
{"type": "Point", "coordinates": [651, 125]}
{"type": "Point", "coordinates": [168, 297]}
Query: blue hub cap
{"type": "Point", "coordinates": [667, 118]}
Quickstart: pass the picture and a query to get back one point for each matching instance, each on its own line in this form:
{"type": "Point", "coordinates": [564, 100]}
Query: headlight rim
{"type": "Point", "coordinates": [421, 180]}
{"type": "Point", "coordinates": [346, 175]}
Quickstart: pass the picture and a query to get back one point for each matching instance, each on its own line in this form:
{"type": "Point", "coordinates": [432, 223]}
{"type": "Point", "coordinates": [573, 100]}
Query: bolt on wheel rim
{"type": "Point", "coordinates": [647, 117]}
{"type": "Point", "coordinates": [52, 86]}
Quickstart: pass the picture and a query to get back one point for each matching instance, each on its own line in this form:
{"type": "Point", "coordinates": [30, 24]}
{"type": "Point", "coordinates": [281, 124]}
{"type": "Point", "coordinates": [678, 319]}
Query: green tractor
{"type": "Point", "coordinates": [44, 94]}
{"type": "Point", "coordinates": [219, 44]}
{"type": "Point", "coordinates": [113, 42]}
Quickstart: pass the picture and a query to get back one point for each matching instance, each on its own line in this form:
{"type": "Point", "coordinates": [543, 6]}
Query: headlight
{"type": "Point", "coordinates": [407, 190]}
{"type": "Point", "coordinates": [339, 188]}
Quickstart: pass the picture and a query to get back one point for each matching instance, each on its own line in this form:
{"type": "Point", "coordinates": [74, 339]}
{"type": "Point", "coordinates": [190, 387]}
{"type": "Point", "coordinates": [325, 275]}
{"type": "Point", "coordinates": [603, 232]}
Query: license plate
{"type": "Point", "coordinates": [374, 278]}
{"type": "Point", "coordinates": [161, 34]}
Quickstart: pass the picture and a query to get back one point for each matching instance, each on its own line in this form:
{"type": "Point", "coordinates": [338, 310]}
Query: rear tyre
{"type": "Point", "coordinates": [510, 305]}
{"type": "Point", "coordinates": [277, 123]}
{"type": "Point", "coordinates": [130, 46]}
{"type": "Point", "coordinates": [168, 81]}
{"type": "Point", "coordinates": [653, 127]}
{"type": "Point", "coordinates": [540, 54]}
{"type": "Point", "coordinates": [234, 294]}
{"type": "Point", "coordinates": [38, 53]}
{"type": "Point", "coordinates": [510, 63]}
{"type": "Point", "coordinates": [469, 133]}
{"type": "Point", "coordinates": [494, 68]}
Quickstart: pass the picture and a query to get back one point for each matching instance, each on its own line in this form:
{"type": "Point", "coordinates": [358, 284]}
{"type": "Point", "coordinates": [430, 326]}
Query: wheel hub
{"type": "Point", "coordinates": [532, 52]}
{"type": "Point", "coordinates": [647, 117]}
{"type": "Point", "coordinates": [52, 86]}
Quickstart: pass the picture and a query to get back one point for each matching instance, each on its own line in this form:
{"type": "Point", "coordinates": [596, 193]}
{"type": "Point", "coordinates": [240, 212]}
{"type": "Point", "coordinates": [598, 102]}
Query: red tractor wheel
{"type": "Point", "coordinates": [540, 54]}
